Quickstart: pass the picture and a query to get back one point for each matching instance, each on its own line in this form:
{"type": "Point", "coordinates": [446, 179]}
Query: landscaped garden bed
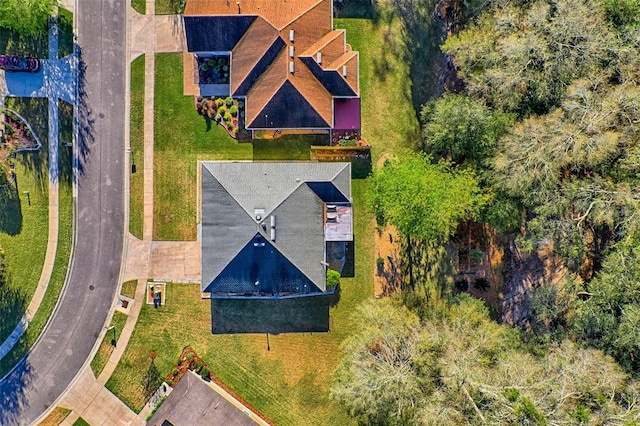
{"type": "Point", "coordinates": [226, 112]}
{"type": "Point", "coordinates": [16, 136]}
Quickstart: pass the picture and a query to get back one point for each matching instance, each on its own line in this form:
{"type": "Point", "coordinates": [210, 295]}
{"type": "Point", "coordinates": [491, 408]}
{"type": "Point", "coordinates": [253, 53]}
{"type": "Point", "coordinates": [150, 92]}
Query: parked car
{"type": "Point", "coordinates": [19, 63]}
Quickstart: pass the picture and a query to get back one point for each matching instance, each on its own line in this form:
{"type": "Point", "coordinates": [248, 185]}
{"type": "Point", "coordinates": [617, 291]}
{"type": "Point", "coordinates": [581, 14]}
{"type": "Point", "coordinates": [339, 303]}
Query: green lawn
{"type": "Point", "coordinates": [287, 147]}
{"type": "Point", "coordinates": [63, 252]}
{"type": "Point", "coordinates": [65, 38]}
{"type": "Point", "coordinates": [389, 120]}
{"type": "Point", "coordinates": [181, 138]}
{"type": "Point", "coordinates": [24, 227]}
{"type": "Point", "coordinates": [289, 383]}
{"type": "Point", "coordinates": [129, 288]}
{"type": "Point", "coordinates": [99, 361]}
{"type": "Point", "coordinates": [81, 422]}
{"type": "Point", "coordinates": [136, 132]}
{"type": "Point", "coordinates": [139, 5]}
{"type": "Point", "coordinates": [170, 7]}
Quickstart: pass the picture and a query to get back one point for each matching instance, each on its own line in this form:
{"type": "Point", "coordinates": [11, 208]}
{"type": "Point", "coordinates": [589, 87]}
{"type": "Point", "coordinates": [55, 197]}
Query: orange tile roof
{"type": "Point", "coordinates": [278, 13]}
{"type": "Point", "coordinates": [250, 49]}
{"type": "Point", "coordinates": [311, 21]}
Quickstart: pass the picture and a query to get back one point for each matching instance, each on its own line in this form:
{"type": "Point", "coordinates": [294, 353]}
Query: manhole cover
{"type": "Point", "coordinates": [91, 287]}
{"type": "Point", "coordinates": [101, 115]}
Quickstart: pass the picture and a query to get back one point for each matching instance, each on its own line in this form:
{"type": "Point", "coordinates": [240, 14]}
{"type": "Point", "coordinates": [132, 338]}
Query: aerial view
{"type": "Point", "coordinates": [319, 212]}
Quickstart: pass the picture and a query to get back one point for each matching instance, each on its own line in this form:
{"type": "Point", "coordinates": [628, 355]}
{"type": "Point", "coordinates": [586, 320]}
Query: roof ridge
{"type": "Point", "coordinates": [318, 2]}
{"type": "Point", "coordinates": [309, 99]}
{"type": "Point", "coordinates": [341, 60]}
{"type": "Point", "coordinates": [323, 42]}
{"type": "Point", "coordinates": [275, 90]}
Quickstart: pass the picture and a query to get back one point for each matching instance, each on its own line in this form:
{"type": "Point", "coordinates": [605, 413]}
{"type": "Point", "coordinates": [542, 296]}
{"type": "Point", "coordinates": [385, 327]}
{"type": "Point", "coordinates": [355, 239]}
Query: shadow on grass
{"type": "Point", "coordinates": [13, 302]}
{"type": "Point", "coordinates": [14, 43]}
{"type": "Point", "coordinates": [422, 38]}
{"type": "Point", "coordinates": [273, 316]}
{"type": "Point", "coordinates": [362, 9]}
{"type": "Point", "coordinates": [10, 213]}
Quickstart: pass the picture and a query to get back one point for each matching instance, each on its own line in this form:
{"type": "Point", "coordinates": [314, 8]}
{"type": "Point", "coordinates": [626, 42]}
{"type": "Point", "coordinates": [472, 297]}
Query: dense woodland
{"type": "Point", "coordinates": [539, 142]}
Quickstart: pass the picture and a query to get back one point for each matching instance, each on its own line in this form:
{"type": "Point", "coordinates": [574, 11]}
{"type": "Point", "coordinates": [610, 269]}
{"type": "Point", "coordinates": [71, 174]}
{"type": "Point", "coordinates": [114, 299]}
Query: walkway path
{"type": "Point", "coordinates": [56, 81]}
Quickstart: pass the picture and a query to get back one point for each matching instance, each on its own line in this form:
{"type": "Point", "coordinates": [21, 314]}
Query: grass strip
{"type": "Point", "coordinates": [101, 358]}
{"type": "Point", "coordinates": [140, 6]}
{"type": "Point", "coordinates": [136, 132]}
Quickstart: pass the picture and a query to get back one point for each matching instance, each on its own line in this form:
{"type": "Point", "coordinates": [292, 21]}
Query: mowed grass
{"type": "Point", "coordinates": [23, 227]}
{"type": "Point", "coordinates": [101, 357]}
{"type": "Point", "coordinates": [139, 5]}
{"type": "Point", "coordinates": [389, 121]}
{"type": "Point", "coordinates": [290, 383]}
{"type": "Point", "coordinates": [136, 132]}
{"type": "Point", "coordinates": [56, 417]}
{"type": "Point", "coordinates": [129, 288]}
{"type": "Point", "coordinates": [169, 7]}
{"type": "Point", "coordinates": [182, 138]}
{"type": "Point", "coordinates": [65, 38]}
{"type": "Point", "coordinates": [63, 252]}
{"type": "Point", "coordinates": [287, 147]}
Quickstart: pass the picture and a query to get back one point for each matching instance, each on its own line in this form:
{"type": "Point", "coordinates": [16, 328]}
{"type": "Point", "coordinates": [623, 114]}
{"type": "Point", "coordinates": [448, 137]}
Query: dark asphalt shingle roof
{"type": "Point", "coordinates": [192, 402]}
{"type": "Point", "coordinates": [215, 33]}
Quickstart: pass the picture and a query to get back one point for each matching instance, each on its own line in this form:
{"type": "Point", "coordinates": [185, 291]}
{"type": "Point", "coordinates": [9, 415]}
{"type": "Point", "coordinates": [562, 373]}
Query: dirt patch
{"type": "Point", "coordinates": [387, 276]}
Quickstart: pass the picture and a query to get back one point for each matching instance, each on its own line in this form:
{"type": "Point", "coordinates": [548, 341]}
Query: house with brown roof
{"type": "Point", "coordinates": [282, 58]}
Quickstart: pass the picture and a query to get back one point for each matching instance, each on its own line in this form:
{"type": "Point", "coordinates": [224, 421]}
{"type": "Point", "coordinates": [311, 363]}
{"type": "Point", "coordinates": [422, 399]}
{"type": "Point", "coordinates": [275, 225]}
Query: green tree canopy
{"type": "Point", "coordinates": [463, 368]}
{"type": "Point", "coordinates": [462, 129]}
{"type": "Point", "coordinates": [423, 199]}
{"type": "Point", "coordinates": [26, 16]}
{"type": "Point", "coordinates": [522, 58]}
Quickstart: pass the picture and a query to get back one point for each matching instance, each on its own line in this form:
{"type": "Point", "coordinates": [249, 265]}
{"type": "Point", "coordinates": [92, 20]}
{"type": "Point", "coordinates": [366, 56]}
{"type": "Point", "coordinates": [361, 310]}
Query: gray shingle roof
{"type": "Point", "coordinates": [231, 194]}
{"type": "Point", "coordinates": [192, 402]}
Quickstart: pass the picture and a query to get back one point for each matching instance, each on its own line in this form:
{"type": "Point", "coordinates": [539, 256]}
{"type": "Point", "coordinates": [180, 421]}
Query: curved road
{"type": "Point", "coordinates": [43, 375]}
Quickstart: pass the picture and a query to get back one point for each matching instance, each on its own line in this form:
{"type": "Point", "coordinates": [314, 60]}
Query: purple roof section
{"type": "Point", "coordinates": [347, 113]}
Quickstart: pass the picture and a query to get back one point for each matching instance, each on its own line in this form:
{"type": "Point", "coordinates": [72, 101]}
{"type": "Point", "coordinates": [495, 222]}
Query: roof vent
{"type": "Point", "coordinates": [319, 57]}
{"type": "Point", "coordinates": [291, 51]}
{"type": "Point", "coordinates": [344, 70]}
{"type": "Point", "coordinates": [291, 36]}
{"type": "Point", "coordinates": [273, 228]}
{"type": "Point", "coordinates": [291, 67]}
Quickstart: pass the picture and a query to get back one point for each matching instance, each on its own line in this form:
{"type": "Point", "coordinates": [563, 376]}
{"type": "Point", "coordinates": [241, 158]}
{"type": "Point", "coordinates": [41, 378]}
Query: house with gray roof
{"type": "Point", "coordinates": [271, 230]}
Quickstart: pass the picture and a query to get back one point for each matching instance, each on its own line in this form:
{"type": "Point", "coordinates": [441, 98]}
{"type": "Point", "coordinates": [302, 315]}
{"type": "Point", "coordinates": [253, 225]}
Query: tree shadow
{"type": "Point", "coordinates": [273, 316]}
{"type": "Point", "coordinates": [15, 43]}
{"type": "Point", "coordinates": [12, 386]}
{"type": "Point", "coordinates": [422, 37]}
{"type": "Point", "coordinates": [10, 212]}
{"type": "Point", "coordinates": [65, 147]}
{"type": "Point", "coordinates": [361, 9]}
{"type": "Point", "coordinates": [13, 302]}
{"type": "Point", "coordinates": [83, 118]}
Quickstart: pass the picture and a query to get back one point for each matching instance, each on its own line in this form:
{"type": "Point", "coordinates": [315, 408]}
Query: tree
{"type": "Point", "coordinates": [459, 367]}
{"type": "Point", "coordinates": [522, 58]}
{"type": "Point", "coordinates": [575, 170]}
{"type": "Point", "coordinates": [377, 381]}
{"type": "Point", "coordinates": [422, 199]}
{"type": "Point", "coordinates": [462, 129]}
{"type": "Point", "coordinates": [28, 17]}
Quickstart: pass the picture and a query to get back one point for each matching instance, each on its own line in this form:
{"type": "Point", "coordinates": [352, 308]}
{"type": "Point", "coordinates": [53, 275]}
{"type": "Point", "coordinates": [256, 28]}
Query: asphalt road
{"type": "Point", "coordinates": [54, 361]}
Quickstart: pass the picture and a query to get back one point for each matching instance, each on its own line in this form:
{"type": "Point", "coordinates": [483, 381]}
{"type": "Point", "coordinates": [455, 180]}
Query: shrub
{"type": "Point", "coordinates": [347, 142]}
{"type": "Point", "coordinates": [222, 110]}
{"type": "Point", "coordinates": [233, 110]}
{"type": "Point", "coordinates": [204, 373]}
{"type": "Point", "coordinates": [227, 117]}
{"type": "Point", "coordinates": [229, 100]}
{"type": "Point", "coordinates": [225, 68]}
{"type": "Point", "coordinates": [174, 371]}
{"type": "Point", "coordinates": [198, 367]}
{"type": "Point", "coordinates": [333, 278]}
{"type": "Point", "coordinates": [380, 262]}
{"type": "Point", "coordinates": [204, 67]}
{"type": "Point", "coordinates": [240, 104]}
{"type": "Point", "coordinates": [218, 118]}
{"type": "Point", "coordinates": [219, 102]}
